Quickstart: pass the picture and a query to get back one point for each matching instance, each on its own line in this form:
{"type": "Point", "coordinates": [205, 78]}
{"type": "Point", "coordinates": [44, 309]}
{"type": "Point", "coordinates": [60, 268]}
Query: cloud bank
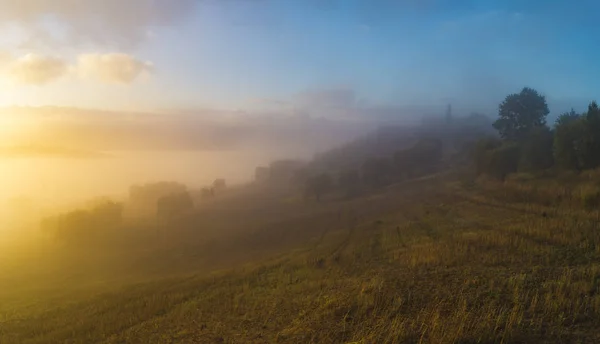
{"type": "Point", "coordinates": [37, 69]}
{"type": "Point", "coordinates": [204, 130]}
{"type": "Point", "coordinates": [112, 68]}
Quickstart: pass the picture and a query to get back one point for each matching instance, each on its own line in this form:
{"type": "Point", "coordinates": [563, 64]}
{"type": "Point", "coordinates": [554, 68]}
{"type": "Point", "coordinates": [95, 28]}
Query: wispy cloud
{"type": "Point", "coordinates": [106, 22]}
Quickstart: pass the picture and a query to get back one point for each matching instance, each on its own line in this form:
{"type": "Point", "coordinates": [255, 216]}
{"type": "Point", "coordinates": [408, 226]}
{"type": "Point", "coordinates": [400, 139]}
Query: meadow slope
{"type": "Point", "coordinates": [430, 261]}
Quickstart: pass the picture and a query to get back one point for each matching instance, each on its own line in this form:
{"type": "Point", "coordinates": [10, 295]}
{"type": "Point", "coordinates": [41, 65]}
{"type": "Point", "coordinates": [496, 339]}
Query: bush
{"type": "Point", "coordinates": [481, 154]}
{"type": "Point", "coordinates": [499, 162]}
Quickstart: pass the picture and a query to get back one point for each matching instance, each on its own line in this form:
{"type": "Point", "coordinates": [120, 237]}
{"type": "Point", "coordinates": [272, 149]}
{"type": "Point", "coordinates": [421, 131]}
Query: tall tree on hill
{"type": "Point", "coordinates": [520, 113]}
{"type": "Point", "coordinates": [569, 133]}
{"type": "Point", "coordinates": [590, 156]}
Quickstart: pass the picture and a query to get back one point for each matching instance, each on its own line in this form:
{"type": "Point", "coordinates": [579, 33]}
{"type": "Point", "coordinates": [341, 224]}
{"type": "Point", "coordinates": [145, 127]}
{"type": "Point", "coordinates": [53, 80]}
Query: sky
{"type": "Point", "coordinates": [366, 60]}
{"type": "Point", "coordinates": [81, 77]}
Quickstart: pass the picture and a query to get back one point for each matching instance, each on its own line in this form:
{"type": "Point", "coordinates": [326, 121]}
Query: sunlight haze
{"type": "Point", "coordinates": [299, 171]}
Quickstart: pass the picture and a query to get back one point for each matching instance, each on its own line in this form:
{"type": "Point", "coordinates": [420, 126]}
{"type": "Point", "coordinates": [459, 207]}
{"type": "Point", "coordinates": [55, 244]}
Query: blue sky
{"type": "Point", "coordinates": [278, 55]}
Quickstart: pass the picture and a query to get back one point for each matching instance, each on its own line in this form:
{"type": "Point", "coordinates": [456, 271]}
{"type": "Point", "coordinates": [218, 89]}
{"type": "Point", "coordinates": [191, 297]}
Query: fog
{"type": "Point", "coordinates": [142, 140]}
{"type": "Point", "coordinates": [56, 159]}
{"type": "Point", "coordinates": [99, 96]}
{"type": "Point", "coordinates": [56, 180]}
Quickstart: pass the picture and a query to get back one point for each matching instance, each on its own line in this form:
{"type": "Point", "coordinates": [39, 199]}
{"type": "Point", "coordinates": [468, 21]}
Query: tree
{"type": "Point", "coordinates": [569, 133]}
{"type": "Point", "coordinates": [504, 160]}
{"type": "Point", "coordinates": [521, 112]}
{"type": "Point", "coordinates": [143, 198]}
{"type": "Point", "coordinates": [590, 151]}
{"type": "Point", "coordinates": [75, 225]}
{"type": "Point", "coordinates": [577, 139]}
{"type": "Point", "coordinates": [208, 193]}
{"type": "Point", "coordinates": [482, 154]}
{"type": "Point", "coordinates": [171, 206]}
{"type": "Point", "coordinates": [537, 150]}
{"type": "Point", "coordinates": [318, 185]}
{"type": "Point", "coordinates": [495, 158]}
{"type": "Point", "coordinates": [107, 213]}
{"type": "Point", "coordinates": [567, 118]}
{"type": "Point", "coordinates": [83, 224]}
{"type": "Point", "coordinates": [219, 185]}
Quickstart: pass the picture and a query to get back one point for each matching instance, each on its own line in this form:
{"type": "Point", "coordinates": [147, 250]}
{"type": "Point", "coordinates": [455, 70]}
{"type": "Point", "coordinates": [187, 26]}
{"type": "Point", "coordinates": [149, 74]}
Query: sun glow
{"type": "Point", "coordinates": [10, 127]}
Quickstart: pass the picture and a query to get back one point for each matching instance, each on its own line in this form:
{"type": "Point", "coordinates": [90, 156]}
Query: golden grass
{"type": "Point", "coordinates": [433, 261]}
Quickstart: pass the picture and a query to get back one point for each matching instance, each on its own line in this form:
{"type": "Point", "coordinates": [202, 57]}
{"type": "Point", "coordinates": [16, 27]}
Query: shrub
{"type": "Point", "coordinates": [481, 154]}
{"type": "Point", "coordinates": [503, 161]}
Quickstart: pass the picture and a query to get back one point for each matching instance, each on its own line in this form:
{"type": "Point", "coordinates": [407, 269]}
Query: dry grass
{"type": "Point", "coordinates": [430, 262]}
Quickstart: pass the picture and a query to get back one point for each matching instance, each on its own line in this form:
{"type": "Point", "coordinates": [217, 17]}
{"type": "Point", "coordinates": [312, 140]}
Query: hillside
{"type": "Point", "coordinates": [388, 139]}
{"type": "Point", "coordinates": [434, 260]}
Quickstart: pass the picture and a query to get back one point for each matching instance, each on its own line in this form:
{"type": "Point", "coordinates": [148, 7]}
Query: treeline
{"type": "Point", "coordinates": [160, 202]}
{"type": "Point", "coordinates": [83, 224]}
{"type": "Point", "coordinates": [455, 132]}
{"type": "Point", "coordinates": [169, 200]}
{"type": "Point", "coordinates": [357, 167]}
{"type": "Point", "coordinates": [527, 143]}
{"type": "Point", "coordinates": [422, 158]}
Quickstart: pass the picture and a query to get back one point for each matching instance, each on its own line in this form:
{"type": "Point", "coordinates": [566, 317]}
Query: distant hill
{"type": "Point", "coordinates": [382, 142]}
{"type": "Point", "coordinates": [388, 139]}
{"type": "Point", "coordinates": [47, 151]}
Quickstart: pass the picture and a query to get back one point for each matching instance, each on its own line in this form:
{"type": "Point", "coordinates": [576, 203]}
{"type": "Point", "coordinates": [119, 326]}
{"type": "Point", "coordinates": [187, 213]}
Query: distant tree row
{"type": "Point", "coordinates": [171, 206]}
{"type": "Point", "coordinates": [422, 158]}
{"type": "Point", "coordinates": [163, 200]}
{"type": "Point", "coordinates": [178, 202]}
{"type": "Point", "coordinates": [84, 224]}
{"type": "Point", "coordinates": [168, 200]}
{"type": "Point", "coordinates": [388, 155]}
{"type": "Point", "coordinates": [528, 144]}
